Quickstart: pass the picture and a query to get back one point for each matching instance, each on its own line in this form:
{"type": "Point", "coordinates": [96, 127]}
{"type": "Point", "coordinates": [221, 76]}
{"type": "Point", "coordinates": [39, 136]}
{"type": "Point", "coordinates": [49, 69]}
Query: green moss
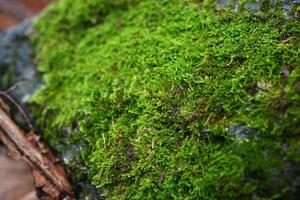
{"type": "Point", "coordinates": [159, 90]}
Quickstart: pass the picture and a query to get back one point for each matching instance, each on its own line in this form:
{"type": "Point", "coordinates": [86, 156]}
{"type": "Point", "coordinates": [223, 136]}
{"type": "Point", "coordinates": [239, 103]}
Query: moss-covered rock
{"type": "Point", "coordinates": [174, 99]}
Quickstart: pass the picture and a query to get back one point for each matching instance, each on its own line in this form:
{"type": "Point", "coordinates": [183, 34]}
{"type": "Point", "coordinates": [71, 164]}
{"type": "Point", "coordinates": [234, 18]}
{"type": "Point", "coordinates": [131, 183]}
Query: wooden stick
{"type": "Point", "coordinates": [49, 177]}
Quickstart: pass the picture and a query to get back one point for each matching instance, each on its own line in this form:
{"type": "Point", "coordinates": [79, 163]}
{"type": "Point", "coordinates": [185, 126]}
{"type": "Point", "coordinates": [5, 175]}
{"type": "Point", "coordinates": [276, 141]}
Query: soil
{"type": "Point", "coordinates": [13, 12]}
{"type": "Point", "coordinates": [16, 181]}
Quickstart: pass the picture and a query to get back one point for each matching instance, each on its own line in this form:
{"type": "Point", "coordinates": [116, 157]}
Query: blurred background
{"type": "Point", "coordinates": [14, 11]}
{"type": "Point", "coordinates": [16, 181]}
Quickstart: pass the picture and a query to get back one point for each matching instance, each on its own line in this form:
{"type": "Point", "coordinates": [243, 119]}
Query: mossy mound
{"type": "Point", "coordinates": [174, 99]}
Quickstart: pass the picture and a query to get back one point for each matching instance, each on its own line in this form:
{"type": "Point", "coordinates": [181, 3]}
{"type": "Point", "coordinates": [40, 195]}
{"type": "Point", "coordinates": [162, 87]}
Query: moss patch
{"type": "Point", "coordinates": [174, 99]}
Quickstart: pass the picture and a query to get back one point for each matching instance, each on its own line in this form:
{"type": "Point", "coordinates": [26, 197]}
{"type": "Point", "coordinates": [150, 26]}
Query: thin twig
{"type": "Point", "coordinates": [207, 120]}
{"type": "Point", "coordinates": [15, 86]}
{"type": "Point", "coordinates": [11, 99]}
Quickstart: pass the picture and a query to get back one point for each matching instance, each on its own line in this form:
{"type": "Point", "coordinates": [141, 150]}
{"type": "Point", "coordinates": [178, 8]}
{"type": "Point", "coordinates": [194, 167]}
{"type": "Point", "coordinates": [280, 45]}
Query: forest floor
{"type": "Point", "coordinates": [16, 181]}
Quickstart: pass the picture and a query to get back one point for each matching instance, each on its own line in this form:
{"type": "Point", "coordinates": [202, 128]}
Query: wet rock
{"type": "Point", "coordinates": [241, 132]}
{"type": "Point", "coordinates": [16, 54]}
{"type": "Point", "coordinates": [287, 6]}
{"type": "Point", "coordinates": [70, 154]}
{"type": "Point", "coordinates": [83, 188]}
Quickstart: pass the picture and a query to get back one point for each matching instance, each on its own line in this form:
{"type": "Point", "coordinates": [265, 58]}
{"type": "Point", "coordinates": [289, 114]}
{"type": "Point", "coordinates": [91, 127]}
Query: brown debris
{"type": "Point", "coordinates": [50, 177]}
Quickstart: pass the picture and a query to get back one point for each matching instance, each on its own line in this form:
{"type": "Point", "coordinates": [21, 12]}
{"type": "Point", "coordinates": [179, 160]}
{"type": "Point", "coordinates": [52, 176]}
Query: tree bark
{"type": "Point", "coordinates": [49, 176]}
